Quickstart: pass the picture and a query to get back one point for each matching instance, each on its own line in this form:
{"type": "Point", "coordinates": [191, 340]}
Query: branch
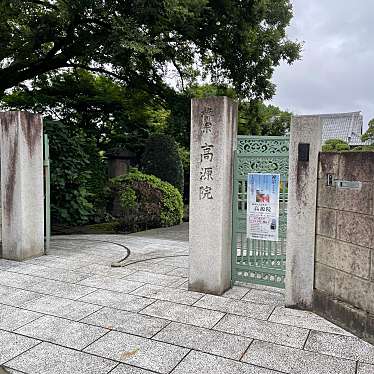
{"type": "Point", "coordinates": [40, 2]}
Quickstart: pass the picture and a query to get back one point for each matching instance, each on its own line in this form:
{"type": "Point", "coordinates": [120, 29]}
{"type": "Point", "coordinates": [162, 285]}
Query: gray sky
{"type": "Point", "coordinates": [336, 72]}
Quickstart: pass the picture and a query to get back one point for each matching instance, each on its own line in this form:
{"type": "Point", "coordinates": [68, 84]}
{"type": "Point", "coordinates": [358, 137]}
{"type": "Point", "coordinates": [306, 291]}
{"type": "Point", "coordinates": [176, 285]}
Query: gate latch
{"type": "Point", "coordinates": [342, 184]}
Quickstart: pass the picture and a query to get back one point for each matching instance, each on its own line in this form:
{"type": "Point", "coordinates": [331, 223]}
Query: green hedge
{"type": "Point", "coordinates": [146, 201]}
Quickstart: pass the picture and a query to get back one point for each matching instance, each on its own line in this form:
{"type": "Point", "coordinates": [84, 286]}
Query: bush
{"type": "Point", "coordinates": [70, 200]}
{"type": "Point", "coordinates": [335, 145]}
{"type": "Point", "coordinates": [146, 202]}
{"type": "Point", "coordinates": [161, 158]}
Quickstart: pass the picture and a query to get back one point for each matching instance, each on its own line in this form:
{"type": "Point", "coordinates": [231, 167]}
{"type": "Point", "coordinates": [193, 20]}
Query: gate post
{"type": "Point", "coordinates": [21, 185]}
{"type": "Point", "coordinates": [213, 135]}
{"type": "Point", "coordinates": [305, 145]}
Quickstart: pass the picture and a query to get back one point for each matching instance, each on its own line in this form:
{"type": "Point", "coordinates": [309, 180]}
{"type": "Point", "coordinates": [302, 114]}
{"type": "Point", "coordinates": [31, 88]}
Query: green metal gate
{"type": "Point", "coordinates": [259, 261]}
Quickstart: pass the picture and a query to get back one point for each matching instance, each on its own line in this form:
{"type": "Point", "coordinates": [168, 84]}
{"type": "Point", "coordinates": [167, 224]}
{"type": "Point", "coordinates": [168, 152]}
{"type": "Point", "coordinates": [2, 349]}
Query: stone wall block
{"type": "Point", "coordinates": [326, 222]}
{"type": "Point", "coordinates": [355, 291]}
{"type": "Point", "coordinates": [324, 278]}
{"type": "Point", "coordinates": [357, 166]}
{"type": "Point", "coordinates": [356, 228]}
{"type": "Point", "coordinates": [328, 164]}
{"type": "Point", "coordinates": [343, 256]}
{"type": "Point", "coordinates": [348, 200]}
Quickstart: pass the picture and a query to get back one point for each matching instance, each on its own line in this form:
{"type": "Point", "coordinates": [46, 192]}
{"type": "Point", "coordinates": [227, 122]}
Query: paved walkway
{"type": "Point", "coordinates": [70, 312]}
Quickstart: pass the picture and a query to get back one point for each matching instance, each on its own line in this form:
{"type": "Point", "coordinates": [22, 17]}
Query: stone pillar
{"type": "Point", "coordinates": [21, 146]}
{"type": "Point", "coordinates": [213, 135]}
{"type": "Point", "coordinates": [305, 145]}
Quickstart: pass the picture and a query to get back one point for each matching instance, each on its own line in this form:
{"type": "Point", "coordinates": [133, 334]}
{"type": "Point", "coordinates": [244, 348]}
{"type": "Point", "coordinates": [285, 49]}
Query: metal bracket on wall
{"type": "Point", "coordinates": [343, 184]}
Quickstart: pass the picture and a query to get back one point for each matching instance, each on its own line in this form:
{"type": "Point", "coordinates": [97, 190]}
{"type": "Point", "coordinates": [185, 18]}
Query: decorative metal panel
{"type": "Point", "coordinates": [259, 261]}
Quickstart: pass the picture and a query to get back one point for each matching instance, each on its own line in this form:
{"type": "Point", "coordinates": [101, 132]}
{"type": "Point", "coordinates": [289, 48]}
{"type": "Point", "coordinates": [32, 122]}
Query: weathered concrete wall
{"type": "Point", "coordinates": [344, 259]}
{"type": "Point", "coordinates": [22, 185]}
{"type": "Point", "coordinates": [213, 135]}
{"type": "Point", "coordinates": [305, 144]}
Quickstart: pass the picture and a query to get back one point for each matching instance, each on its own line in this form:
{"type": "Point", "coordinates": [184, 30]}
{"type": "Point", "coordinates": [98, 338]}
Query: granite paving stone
{"type": "Point", "coordinates": [111, 283]}
{"type": "Point", "coordinates": [58, 262]}
{"type": "Point", "coordinates": [242, 308]}
{"type": "Point", "coordinates": [7, 264]}
{"type": "Point", "coordinates": [132, 323]}
{"type": "Point", "coordinates": [180, 262]}
{"type": "Point", "coordinates": [179, 272]}
{"type": "Point", "coordinates": [348, 347]}
{"type": "Point", "coordinates": [15, 296]}
{"type": "Point", "coordinates": [158, 279]}
{"type": "Point", "coordinates": [141, 318]}
{"type": "Point", "coordinates": [182, 283]}
{"type": "Point", "coordinates": [365, 368]}
{"type": "Point", "coordinates": [209, 341]}
{"type": "Point", "coordinates": [236, 292]}
{"type": "Point", "coordinates": [263, 330]}
{"type": "Point", "coordinates": [47, 358]}
{"type": "Point", "coordinates": [157, 268]}
{"type": "Point", "coordinates": [168, 294]}
{"type": "Point", "coordinates": [108, 271]}
{"type": "Point", "coordinates": [305, 319]}
{"type": "Point", "coordinates": [127, 369]}
{"type": "Point", "coordinates": [144, 353]}
{"type": "Point", "coordinates": [59, 307]}
{"type": "Point", "coordinates": [119, 300]}
{"type": "Point", "coordinates": [51, 273]}
{"type": "Point", "coordinates": [199, 363]}
{"type": "Point", "coordinates": [23, 281]}
{"type": "Point", "coordinates": [183, 313]}
{"type": "Point", "coordinates": [295, 361]}
{"type": "Point", "coordinates": [11, 318]}
{"type": "Point", "coordinates": [265, 297]}
{"type": "Point", "coordinates": [11, 345]}
{"type": "Point", "coordinates": [62, 331]}
{"type": "Point", "coordinates": [61, 289]}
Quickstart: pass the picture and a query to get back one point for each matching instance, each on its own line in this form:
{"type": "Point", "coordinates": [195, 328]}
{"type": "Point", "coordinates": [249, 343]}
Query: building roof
{"type": "Point", "coordinates": [344, 126]}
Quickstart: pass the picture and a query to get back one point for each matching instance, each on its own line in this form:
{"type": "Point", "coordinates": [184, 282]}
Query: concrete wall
{"type": "Point", "coordinates": [21, 139]}
{"type": "Point", "coordinates": [344, 258]}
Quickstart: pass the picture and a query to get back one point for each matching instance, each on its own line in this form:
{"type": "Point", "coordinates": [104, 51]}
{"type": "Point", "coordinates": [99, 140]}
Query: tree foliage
{"type": "Point", "coordinates": [335, 145]}
{"type": "Point", "coordinates": [137, 41]}
{"type": "Point", "coordinates": [369, 134]}
{"type": "Point", "coordinates": [161, 158]}
{"type": "Point", "coordinates": [112, 115]}
{"type": "Point", "coordinates": [254, 117]}
{"type": "Point", "coordinates": [70, 175]}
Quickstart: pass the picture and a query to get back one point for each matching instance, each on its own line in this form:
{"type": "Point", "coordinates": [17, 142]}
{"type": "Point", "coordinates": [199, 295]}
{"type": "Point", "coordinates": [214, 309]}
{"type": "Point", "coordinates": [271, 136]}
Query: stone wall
{"type": "Point", "coordinates": [344, 258]}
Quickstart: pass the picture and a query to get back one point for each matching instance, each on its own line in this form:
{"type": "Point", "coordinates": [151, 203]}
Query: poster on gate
{"type": "Point", "coordinates": [263, 206]}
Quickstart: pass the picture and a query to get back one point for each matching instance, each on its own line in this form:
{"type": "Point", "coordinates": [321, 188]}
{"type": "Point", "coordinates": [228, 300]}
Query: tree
{"type": "Point", "coordinates": [137, 41]}
{"type": "Point", "coordinates": [112, 115]}
{"type": "Point", "coordinates": [369, 134]}
{"type": "Point", "coordinates": [256, 118]}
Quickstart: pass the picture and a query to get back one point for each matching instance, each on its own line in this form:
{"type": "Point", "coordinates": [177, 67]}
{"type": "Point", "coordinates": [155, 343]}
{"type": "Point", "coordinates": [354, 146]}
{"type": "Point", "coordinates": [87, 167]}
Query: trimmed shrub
{"type": "Point", "coordinates": [335, 145]}
{"type": "Point", "coordinates": [161, 158]}
{"type": "Point", "coordinates": [146, 201]}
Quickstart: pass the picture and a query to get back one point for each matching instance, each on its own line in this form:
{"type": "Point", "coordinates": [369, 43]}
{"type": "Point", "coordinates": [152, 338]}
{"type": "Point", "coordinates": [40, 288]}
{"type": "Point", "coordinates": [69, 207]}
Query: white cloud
{"type": "Point", "coordinates": [336, 72]}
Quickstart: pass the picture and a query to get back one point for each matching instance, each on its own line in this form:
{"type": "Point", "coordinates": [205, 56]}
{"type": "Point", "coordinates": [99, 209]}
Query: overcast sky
{"type": "Point", "coordinates": [336, 71]}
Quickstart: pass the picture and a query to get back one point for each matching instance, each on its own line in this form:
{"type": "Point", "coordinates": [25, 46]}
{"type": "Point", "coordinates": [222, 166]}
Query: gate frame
{"type": "Point", "coordinates": [276, 142]}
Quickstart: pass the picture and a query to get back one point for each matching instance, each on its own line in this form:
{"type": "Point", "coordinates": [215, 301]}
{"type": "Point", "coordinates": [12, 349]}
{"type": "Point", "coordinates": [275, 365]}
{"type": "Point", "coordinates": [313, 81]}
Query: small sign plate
{"type": "Point", "coordinates": [348, 185]}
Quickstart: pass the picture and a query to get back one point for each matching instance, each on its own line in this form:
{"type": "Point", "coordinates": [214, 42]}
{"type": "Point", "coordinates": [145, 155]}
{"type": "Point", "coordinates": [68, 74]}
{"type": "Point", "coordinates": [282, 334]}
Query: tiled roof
{"type": "Point", "coordinates": [344, 126]}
